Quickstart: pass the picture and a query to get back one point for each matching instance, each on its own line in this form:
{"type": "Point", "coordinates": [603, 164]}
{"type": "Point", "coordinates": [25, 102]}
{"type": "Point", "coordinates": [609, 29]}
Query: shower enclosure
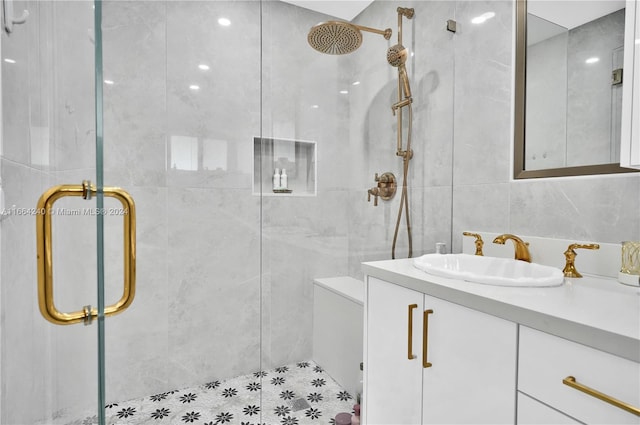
{"type": "Point", "coordinates": [197, 103]}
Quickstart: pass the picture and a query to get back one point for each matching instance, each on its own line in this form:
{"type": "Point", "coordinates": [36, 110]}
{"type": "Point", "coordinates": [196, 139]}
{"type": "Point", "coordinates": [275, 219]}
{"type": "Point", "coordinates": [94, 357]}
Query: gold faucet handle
{"type": "Point", "coordinates": [479, 242]}
{"type": "Point", "coordinates": [570, 256]}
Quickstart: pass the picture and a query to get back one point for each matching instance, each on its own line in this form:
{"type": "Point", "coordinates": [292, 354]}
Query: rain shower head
{"type": "Point", "coordinates": [338, 37]}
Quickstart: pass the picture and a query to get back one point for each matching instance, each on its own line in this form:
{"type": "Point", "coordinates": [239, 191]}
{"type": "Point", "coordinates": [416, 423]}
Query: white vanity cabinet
{"type": "Point", "coordinates": [498, 354]}
{"type": "Point", "coordinates": [546, 360]}
{"type": "Point", "coordinates": [470, 357]}
{"type": "Point", "coordinates": [630, 136]}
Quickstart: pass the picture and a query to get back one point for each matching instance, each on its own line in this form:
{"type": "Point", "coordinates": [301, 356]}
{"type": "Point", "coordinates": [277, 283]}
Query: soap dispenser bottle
{"type": "Point", "coordinates": [276, 179]}
{"type": "Point", "coordinates": [283, 179]}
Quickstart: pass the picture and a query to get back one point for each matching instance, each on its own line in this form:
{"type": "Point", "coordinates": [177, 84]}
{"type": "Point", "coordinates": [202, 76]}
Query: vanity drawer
{"type": "Point", "coordinates": [532, 412]}
{"type": "Point", "coordinates": [545, 360]}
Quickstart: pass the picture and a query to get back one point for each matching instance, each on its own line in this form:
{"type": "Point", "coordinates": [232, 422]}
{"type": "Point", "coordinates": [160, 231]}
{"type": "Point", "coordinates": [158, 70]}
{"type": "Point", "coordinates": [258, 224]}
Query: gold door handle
{"type": "Point", "coordinates": [410, 355]}
{"type": "Point", "coordinates": [571, 381]}
{"type": "Point", "coordinates": [45, 254]}
{"type": "Point", "coordinates": [425, 337]}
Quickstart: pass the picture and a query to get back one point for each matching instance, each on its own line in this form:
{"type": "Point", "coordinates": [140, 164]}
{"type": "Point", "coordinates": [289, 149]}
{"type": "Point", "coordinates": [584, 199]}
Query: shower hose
{"type": "Point", "coordinates": [404, 199]}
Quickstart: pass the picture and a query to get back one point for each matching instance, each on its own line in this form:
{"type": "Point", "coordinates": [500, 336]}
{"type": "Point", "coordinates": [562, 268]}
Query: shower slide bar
{"type": "Point", "coordinates": [45, 254]}
{"type": "Point", "coordinates": [7, 16]}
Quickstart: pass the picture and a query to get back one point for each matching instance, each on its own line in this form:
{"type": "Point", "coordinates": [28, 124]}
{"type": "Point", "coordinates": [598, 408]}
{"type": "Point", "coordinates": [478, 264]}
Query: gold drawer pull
{"type": "Point", "coordinates": [425, 338]}
{"type": "Point", "coordinates": [571, 381]}
{"type": "Point", "coordinates": [410, 355]}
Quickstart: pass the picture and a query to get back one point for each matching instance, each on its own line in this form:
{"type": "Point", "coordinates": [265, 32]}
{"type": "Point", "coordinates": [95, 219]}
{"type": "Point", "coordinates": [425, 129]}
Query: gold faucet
{"type": "Point", "coordinates": [522, 247]}
{"type": "Point", "coordinates": [570, 255]}
{"type": "Point", "coordinates": [479, 242]}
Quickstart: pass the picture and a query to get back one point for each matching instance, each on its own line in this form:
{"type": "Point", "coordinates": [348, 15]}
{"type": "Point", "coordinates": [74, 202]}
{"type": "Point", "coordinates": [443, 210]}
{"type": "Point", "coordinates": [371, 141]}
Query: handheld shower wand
{"type": "Point", "coordinates": [397, 57]}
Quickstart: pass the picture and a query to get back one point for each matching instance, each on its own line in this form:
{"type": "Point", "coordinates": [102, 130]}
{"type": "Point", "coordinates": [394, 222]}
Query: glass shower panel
{"type": "Point", "coordinates": [305, 126]}
{"type": "Point", "coordinates": [342, 105]}
{"type": "Point", "coordinates": [49, 372]}
{"type": "Point", "coordinates": [181, 109]}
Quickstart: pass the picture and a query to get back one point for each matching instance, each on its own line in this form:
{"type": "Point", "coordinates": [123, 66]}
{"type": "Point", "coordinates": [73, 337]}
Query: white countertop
{"type": "Point", "coordinates": [594, 311]}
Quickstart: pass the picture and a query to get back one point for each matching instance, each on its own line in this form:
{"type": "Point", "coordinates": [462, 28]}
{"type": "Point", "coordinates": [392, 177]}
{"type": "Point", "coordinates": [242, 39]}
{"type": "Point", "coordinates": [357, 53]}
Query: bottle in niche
{"type": "Point", "coordinates": [276, 179]}
{"type": "Point", "coordinates": [284, 184]}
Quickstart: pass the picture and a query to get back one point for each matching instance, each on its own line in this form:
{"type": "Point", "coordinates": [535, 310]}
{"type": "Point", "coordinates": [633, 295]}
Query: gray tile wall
{"type": "Point", "coordinates": [462, 171]}
{"type": "Point", "coordinates": [592, 208]}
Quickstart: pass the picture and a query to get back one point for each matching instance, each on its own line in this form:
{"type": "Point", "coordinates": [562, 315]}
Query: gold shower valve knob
{"type": "Point", "coordinates": [386, 185]}
{"type": "Point", "coordinates": [385, 189]}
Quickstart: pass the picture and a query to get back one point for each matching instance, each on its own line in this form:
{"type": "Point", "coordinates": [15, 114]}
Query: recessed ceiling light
{"type": "Point", "coordinates": [203, 67]}
{"type": "Point", "coordinates": [355, 83]}
{"type": "Point", "coordinates": [7, 60]}
{"type": "Point", "coordinates": [194, 87]}
{"type": "Point", "coordinates": [315, 106]}
{"type": "Point", "coordinates": [108, 82]}
{"type": "Point", "coordinates": [344, 91]}
{"type": "Point", "coordinates": [224, 22]}
{"type": "Point", "coordinates": [592, 60]}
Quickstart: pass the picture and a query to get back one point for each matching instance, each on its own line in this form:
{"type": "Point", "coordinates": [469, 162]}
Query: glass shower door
{"type": "Point", "coordinates": [147, 103]}
{"type": "Point", "coordinates": [55, 209]}
{"type": "Point", "coordinates": [181, 110]}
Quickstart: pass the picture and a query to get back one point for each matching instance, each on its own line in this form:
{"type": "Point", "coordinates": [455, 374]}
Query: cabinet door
{"type": "Point", "coordinates": [393, 382]}
{"type": "Point", "coordinates": [473, 374]}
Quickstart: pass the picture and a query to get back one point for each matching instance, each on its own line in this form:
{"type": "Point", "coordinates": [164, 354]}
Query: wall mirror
{"type": "Point", "coordinates": [569, 78]}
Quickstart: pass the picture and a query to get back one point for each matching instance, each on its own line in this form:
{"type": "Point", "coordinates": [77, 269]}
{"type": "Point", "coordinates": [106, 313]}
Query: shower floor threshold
{"type": "Point", "coordinates": [296, 394]}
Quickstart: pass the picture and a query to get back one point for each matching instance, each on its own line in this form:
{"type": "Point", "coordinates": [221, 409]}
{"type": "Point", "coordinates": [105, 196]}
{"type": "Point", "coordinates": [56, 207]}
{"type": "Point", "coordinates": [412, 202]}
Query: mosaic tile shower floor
{"type": "Point", "coordinates": [297, 394]}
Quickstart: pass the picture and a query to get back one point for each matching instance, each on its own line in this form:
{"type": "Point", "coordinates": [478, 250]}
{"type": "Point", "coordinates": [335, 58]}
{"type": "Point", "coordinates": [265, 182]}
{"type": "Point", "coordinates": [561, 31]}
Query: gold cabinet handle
{"type": "Point", "coordinates": [571, 381]}
{"type": "Point", "coordinates": [410, 355]}
{"type": "Point", "coordinates": [45, 254]}
{"type": "Point", "coordinates": [425, 337]}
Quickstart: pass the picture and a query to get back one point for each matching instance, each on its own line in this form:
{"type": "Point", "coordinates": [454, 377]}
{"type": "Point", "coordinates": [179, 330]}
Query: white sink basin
{"type": "Point", "coordinates": [489, 270]}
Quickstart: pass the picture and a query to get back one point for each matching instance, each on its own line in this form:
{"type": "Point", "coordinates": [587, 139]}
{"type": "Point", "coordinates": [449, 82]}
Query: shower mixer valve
{"type": "Point", "coordinates": [385, 189]}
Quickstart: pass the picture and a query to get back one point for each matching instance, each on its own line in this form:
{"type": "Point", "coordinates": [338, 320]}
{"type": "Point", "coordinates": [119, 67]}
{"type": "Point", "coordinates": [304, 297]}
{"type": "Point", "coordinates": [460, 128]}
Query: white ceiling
{"type": "Point", "coordinates": [344, 9]}
{"type": "Point", "coordinates": [550, 18]}
{"type": "Point", "coordinates": [573, 13]}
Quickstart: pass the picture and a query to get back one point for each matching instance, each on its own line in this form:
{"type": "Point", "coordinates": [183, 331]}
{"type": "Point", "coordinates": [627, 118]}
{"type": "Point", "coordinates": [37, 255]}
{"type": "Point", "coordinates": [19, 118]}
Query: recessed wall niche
{"type": "Point", "coordinates": [297, 157]}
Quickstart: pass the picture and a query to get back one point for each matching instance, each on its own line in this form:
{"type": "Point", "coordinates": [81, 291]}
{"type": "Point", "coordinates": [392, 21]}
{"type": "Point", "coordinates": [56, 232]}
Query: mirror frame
{"type": "Point", "coordinates": [519, 171]}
